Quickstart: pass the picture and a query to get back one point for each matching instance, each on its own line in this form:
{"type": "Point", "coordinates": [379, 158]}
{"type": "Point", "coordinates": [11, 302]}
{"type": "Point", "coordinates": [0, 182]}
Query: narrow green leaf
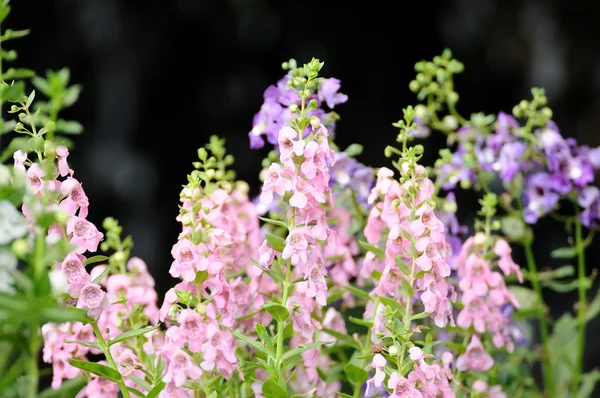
{"type": "Point", "coordinates": [135, 392]}
{"type": "Point", "coordinates": [274, 222]}
{"type": "Point", "coordinates": [418, 316]}
{"type": "Point", "coordinates": [373, 249]}
{"type": "Point", "coordinates": [68, 127]}
{"type": "Point", "coordinates": [277, 311]}
{"type": "Point", "coordinates": [341, 394]}
{"type": "Point", "coordinates": [270, 389]}
{"type": "Point", "coordinates": [362, 322]}
{"type": "Point", "coordinates": [593, 308]}
{"type": "Point", "coordinates": [290, 355]}
{"type": "Point", "coordinates": [275, 242]}
{"type": "Point", "coordinates": [355, 374]}
{"type": "Point", "coordinates": [30, 99]}
{"type": "Point", "coordinates": [84, 343]}
{"type": "Point", "coordinates": [132, 334]}
{"type": "Point", "coordinates": [564, 252]}
{"type": "Point", "coordinates": [390, 302]}
{"type": "Point", "coordinates": [563, 287]}
{"type": "Point", "coordinates": [588, 383]}
{"type": "Point", "coordinates": [257, 345]}
{"type": "Point", "coordinates": [156, 390]}
{"type": "Point", "coordinates": [97, 369]}
{"type": "Point", "coordinates": [342, 338]}
{"type": "Point", "coordinates": [141, 382]}
{"type": "Point", "coordinates": [357, 292]}
{"type": "Point", "coordinates": [404, 268]}
{"type": "Point", "coordinates": [353, 150]}
{"type": "Point", "coordinates": [95, 259]}
{"type": "Point", "coordinates": [17, 73]}
{"type": "Point", "coordinates": [262, 334]}
{"type": "Point", "coordinates": [101, 276]}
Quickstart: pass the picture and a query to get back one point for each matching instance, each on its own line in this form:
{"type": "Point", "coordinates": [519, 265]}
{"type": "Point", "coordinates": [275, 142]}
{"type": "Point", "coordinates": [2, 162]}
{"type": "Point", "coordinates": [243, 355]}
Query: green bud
{"type": "Point", "coordinates": [285, 66]}
{"type": "Point", "coordinates": [393, 350]}
{"type": "Point", "coordinates": [450, 122]}
{"type": "Point", "coordinates": [292, 63]}
{"type": "Point", "coordinates": [315, 122]}
{"type": "Point", "coordinates": [449, 206]}
{"type": "Point", "coordinates": [219, 174]}
{"type": "Point", "coordinates": [517, 112]}
{"type": "Point", "coordinates": [49, 149]}
{"type": "Point", "coordinates": [313, 104]}
{"type": "Point", "coordinates": [414, 86]}
{"type": "Point", "coordinates": [419, 149]}
{"type": "Point", "coordinates": [19, 248]}
{"type": "Point", "coordinates": [61, 217]}
{"type": "Point", "coordinates": [4, 175]}
{"type": "Point", "coordinates": [496, 225]}
{"type": "Point", "coordinates": [305, 93]}
{"type": "Point", "coordinates": [202, 154]}
{"type": "Point", "coordinates": [523, 105]}
{"type": "Point", "coordinates": [452, 97]}
{"type": "Point", "coordinates": [465, 184]}
{"type": "Point", "coordinates": [422, 79]}
{"type": "Point", "coordinates": [119, 257]}
{"type": "Point", "coordinates": [201, 309]}
{"type": "Point", "coordinates": [547, 113]}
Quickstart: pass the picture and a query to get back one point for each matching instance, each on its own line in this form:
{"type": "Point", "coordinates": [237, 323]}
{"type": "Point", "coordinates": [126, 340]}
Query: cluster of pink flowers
{"type": "Point", "coordinates": [424, 381]}
{"type": "Point", "coordinates": [484, 294]}
{"type": "Point", "coordinates": [113, 302]}
{"type": "Point", "coordinates": [391, 220]}
{"type": "Point", "coordinates": [212, 257]}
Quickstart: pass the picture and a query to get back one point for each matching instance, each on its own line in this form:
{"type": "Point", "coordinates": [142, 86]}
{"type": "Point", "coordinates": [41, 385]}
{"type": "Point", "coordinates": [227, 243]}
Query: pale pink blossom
{"type": "Point", "coordinates": [63, 167]}
{"type": "Point", "coordinates": [181, 368]}
{"type": "Point", "coordinates": [401, 387]}
{"type": "Point", "coordinates": [76, 198]}
{"type": "Point", "coordinates": [378, 363]}
{"type": "Point", "coordinates": [476, 359]}
{"type": "Point", "coordinates": [75, 272]}
{"type": "Point", "coordinates": [20, 157]}
{"type": "Point", "coordinates": [187, 260]}
{"type": "Point", "coordinates": [94, 299]}
{"type": "Point", "coordinates": [84, 235]}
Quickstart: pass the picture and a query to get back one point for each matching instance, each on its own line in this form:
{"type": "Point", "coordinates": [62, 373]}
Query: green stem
{"type": "Point", "coordinates": [111, 362]}
{"type": "Point", "coordinates": [533, 276]}
{"type": "Point", "coordinates": [365, 346]}
{"type": "Point", "coordinates": [582, 305]}
{"type": "Point", "coordinates": [281, 325]}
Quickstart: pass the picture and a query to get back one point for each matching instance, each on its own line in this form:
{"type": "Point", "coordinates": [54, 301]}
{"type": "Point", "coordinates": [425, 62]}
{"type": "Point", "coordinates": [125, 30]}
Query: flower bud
{"type": "Point", "coordinates": [19, 248]}
{"type": "Point", "coordinates": [393, 350]}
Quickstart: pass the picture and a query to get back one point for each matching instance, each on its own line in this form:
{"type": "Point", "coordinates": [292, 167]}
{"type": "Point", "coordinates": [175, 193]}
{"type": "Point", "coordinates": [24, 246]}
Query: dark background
{"type": "Point", "coordinates": [159, 77]}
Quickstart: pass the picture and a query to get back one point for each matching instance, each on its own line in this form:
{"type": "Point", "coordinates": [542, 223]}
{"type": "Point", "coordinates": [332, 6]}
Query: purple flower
{"type": "Point", "coordinates": [589, 199]}
{"type": "Point", "coordinates": [456, 171]}
{"type": "Point", "coordinates": [422, 130]}
{"type": "Point", "coordinates": [540, 198]}
{"type": "Point", "coordinates": [328, 92]}
{"type": "Point", "coordinates": [348, 172]}
{"type": "Point", "coordinates": [503, 133]}
{"type": "Point", "coordinates": [509, 160]}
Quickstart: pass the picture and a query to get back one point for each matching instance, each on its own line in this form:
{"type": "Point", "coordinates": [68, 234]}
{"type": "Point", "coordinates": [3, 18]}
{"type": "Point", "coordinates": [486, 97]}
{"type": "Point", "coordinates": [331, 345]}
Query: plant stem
{"type": "Point", "coordinates": [533, 274]}
{"type": "Point", "coordinates": [582, 305]}
{"type": "Point", "coordinates": [357, 387]}
{"type": "Point", "coordinates": [281, 325]}
{"type": "Point", "coordinates": [109, 358]}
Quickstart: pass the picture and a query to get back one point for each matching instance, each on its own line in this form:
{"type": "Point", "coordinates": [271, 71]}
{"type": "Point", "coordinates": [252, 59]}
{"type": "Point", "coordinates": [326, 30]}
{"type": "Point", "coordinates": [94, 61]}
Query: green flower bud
{"type": "Point", "coordinates": [393, 350]}
{"type": "Point", "coordinates": [19, 248]}
{"type": "Point", "coordinates": [414, 86]}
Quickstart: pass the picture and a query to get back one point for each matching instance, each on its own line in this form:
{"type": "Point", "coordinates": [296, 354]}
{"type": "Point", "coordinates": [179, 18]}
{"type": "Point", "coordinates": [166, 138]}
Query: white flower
{"type": "Point", "coordinates": [12, 222]}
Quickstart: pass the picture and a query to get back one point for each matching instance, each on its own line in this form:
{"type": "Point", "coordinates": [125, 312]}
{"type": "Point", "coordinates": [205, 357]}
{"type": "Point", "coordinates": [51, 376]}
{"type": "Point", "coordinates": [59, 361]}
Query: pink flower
{"type": "Point", "coordinates": [63, 167]}
{"type": "Point", "coordinates": [476, 359]}
{"type": "Point", "coordinates": [303, 192]}
{"type": "Point", "coordinates": [77, 276]}
{"type": "Point", "coordinates": [415, 353]}
{"type": "Point", "coordinates": [301, 319]}
{"type": "Point", "coordinates": [308, 167]}
{"type": "Point", "coordinates": [427, 222]}
{"type": "Point", "coordinates": [402, 388]}
{"type": "Point", "coordinates": [84, 234]}
{"type": "Point", "coordinates": [181, 368]}
{"type": "Point", "coordinates": [35, 177]}
{"type": "Point", "coordinates": [219, 351]}
{"type": "Point", "coordinates": [172, 391]}
{"type": "Point", "coordinates": [474, 313]}
{"type": "Point", "coordinates": [170, 299]}
{"type": "Point", "coordinates": [507, 265]}
{"type": "Point", "coordinates": [289, 144]}
{"type": "Point", "coordinates": [61, 369]}
{"type": "Point", "coordinates": [192, 329]}
{"type": "Point", "coordinates": [478, 276]}
{"type": "Point", "coordinates": [430, 253]}
{"type": "Point", "coordinates": [76, 198]}
{"type": "Point", "coordinates": [20, 157]}
{"type": "Point", "coordinates": [296, 247]}
{"type": "Point", "coordinates": [275, 181]}
{"type": "Point", "coordinates": [187, 260]}
{"type": "Point", "coordinates": [317, 286]}
{"type": "Point", "coordinates": [94, 299]}
{"type": "Point", "coordinates": [266, 255]}
{"type": "Point", "coordinates": [377, 380]}
{"type": "Point", "coordinates": [99, 387]}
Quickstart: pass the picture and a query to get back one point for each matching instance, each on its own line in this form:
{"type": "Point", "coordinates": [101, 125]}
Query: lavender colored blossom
{"type": "Point", "coordinates": [509, 161]}
{"type": "Point", "coordinates": [540, 197]}
{"type": "Point", "coordinates": [589, 200]}
{"type": "Point", "coordinates": [348, 172]}
{"type": "Point", "coordinates": [328, 92]}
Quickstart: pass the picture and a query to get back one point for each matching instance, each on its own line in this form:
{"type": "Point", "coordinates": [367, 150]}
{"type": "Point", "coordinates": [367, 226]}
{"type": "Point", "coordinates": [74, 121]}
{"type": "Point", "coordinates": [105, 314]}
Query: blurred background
{"type": "Point", "coordinates": [160, 77]}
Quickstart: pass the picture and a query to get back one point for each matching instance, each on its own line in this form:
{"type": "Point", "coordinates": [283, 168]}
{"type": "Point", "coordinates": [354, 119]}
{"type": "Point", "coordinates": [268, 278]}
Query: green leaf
{"type": "Point", "coordinates": [42, 85]}
{"type": "Point", "coordinates": [563, 287]}
{"type": "Point", "coordinates": [135, 392]}
{"type": "Point", "coordinates": [274, 222]}
{"type": "Point", "coordinates": [420, 315]}
{"type": "Point", "coordinates": [68, 127]}
{"type": "Point", "coordinates": [156, 390]}
{"type": "Point", "coordinates": [257, 345]}
{"type": "Point", "coordinates": [593, 308]}
{"type": "Point", "coordinates": [588, 383]}
{"type": "Point", "coordinates": [341, 394]}
{"type": "Point", "coordinates": [16, 143]}
{"type": "Point", "coordinates": [526, 297]}
{"type": "Point", "coordinates": [270, 389]}
{"type": "Point", "coordinates": [84, 343]}
{"type": "Point", "coordinates": [290, 355]}
{"type": "Point", "coordinates": [343, 338]}
{"type": "Point", "coordinates": [101, 276]}
{"type": "Point", "coordinates": [355, 374]}
{"type": "Point", "coordinates": [357, 292]}
{"type": "Point", "coordinates": [17, 73]}
{"type": "Point", "coordinates": [262, 334]}
{"type": "Point", "coordinates": [391, 302]}
{"type": "Point", "coordinates": [564, 252]}
{"type": "Point", "coordinates": [140, 382]}
{"type": "Point", "coordinates": [95, 259]}
{"type": "Point", "coordinates": [404, 268]}
{"type": "Point", "coordinates": [373, 249]}
{"type": "Point", "coordinates": [362, 322]}
{"type": "Point", "coordinates": [68, 388]}
{"type": "Point", "coordinates": [558, 273]}
{"type": "Point", "coordinates": [277, 311]}
{"type": "Point", "coordinates": [97, 369]}
{"type": "Point", "coordinates": [132, 334]}
{"type": "Point", "coordinates": [30, 99]}
{"type": "Point", "coordinates": [275, 242]}
{"type": "Point", "coordinates": [562, 349]}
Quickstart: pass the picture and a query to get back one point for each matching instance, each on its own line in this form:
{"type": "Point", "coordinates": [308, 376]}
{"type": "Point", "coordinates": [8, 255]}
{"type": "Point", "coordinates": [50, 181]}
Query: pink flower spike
{"type": "Point", "coordinates": [94, 299]}
{"type": "Point", "coordinates": [181, 367]}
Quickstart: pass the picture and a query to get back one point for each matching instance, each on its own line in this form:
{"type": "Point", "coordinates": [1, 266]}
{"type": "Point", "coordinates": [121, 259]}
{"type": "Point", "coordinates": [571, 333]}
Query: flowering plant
{"type": "Point", "coordinates": [338, 280]}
